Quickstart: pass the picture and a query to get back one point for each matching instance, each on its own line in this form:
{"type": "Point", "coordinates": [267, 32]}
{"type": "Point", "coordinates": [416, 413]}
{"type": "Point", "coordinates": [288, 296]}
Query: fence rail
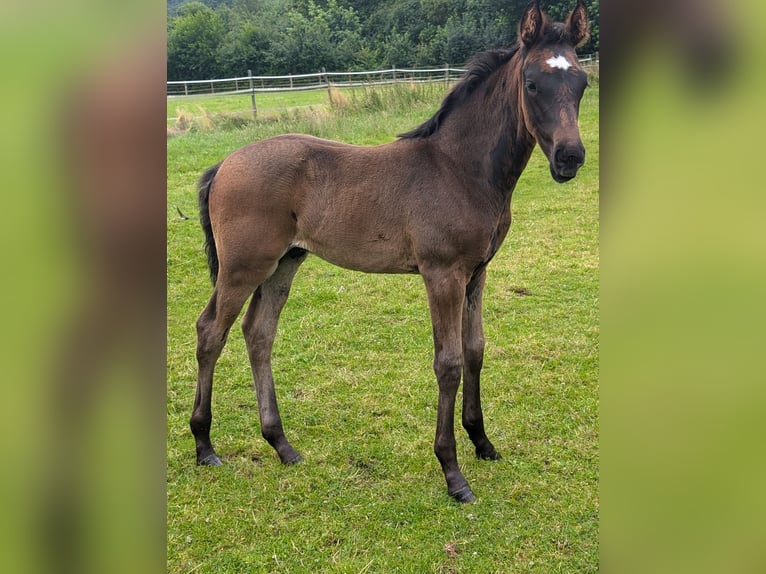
{"type": "Point", "coordinates": [181, 91]}
{"type": "Point", "coordinates": [292, 82]}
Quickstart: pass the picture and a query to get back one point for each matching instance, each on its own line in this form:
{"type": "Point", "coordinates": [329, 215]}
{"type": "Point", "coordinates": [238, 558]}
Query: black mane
{"type": "Point", "coordinates": [481, 67]}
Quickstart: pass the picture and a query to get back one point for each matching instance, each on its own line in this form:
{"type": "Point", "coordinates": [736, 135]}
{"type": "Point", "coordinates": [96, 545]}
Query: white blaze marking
{"type": "Point", "coordinates": [559, 62]}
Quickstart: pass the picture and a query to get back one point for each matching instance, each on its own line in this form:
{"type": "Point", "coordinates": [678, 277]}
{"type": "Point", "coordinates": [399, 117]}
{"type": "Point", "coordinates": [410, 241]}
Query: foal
{"type": "Point", "coordinates": [435, 202]}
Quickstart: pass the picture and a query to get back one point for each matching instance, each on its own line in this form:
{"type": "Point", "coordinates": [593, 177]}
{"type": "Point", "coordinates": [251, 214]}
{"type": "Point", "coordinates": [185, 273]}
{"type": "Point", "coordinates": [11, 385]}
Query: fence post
{"type": "Point", "coordinates": [252, 94]}
{"type": "Point", "coordinates": [291, 81]}
{"type": "Point", "coordinates": [186, 89]}
{"type": "Point", "coordinates": [329, 87]}
{"type": "Point", "coordinates": [446, 75]}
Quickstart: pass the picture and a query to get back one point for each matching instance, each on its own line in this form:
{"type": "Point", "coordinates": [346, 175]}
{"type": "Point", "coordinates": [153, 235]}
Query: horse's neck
{"type": "Point", "coordinates": [487, 134]}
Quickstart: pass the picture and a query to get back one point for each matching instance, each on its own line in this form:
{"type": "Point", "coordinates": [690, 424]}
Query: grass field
{"type": "Point", "coordinates": [352, 365]}
{"type": "Point", "coordinates": [270, 101]}
{"type": "Point", "coordinates": [208, 110]}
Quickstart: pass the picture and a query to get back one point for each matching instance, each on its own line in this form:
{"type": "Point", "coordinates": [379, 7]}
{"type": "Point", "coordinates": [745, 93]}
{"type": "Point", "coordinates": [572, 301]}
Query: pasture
{"type": "Point", "coordinates": [352, 365]}
{"type": "Point", "coordinates": [208, 111]}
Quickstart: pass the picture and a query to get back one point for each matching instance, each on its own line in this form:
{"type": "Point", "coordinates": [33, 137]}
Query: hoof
{"type": "Point", "coordinates": [210, 460]}
{"type": "Point", "coordinates": [464, 495]}
{"type": "Point", "coordinates": [294, 460]}
{"type": "Point", "coordinates": [491, 455]}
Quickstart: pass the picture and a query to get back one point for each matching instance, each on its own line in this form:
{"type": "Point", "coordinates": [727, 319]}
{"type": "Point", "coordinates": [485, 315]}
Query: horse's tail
{"type": "Point", "coordinates": [204, 187]}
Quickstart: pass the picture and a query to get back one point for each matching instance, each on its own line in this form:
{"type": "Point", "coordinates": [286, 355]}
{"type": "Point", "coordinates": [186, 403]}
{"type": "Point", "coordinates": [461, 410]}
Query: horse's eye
{"type": "Point", "coordinates": [531, 87]}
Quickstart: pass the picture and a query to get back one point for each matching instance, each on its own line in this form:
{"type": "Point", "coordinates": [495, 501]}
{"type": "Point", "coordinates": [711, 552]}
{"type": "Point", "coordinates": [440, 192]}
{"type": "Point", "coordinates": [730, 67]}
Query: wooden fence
{"type": "Point", "coordinates": [253, 84]}
{"type": "Point", "coordinates": [250, 84]}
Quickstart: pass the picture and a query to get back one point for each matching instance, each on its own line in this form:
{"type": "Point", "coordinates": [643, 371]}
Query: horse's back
{"type": "Point", "coordinates": [284, 161]}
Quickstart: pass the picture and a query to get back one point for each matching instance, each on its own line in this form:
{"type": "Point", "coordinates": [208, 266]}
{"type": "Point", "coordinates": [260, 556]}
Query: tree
{"type": "Point", "coordinates": [220, 38]}
{"type": "Point", "coordinates": [318, 37]}
{"type": "Point", "coordinates": [193, 41]}
{"type": "Point", "coordinates": [253, 27]}
{"type": "Point", "coordinates": [245, 47]}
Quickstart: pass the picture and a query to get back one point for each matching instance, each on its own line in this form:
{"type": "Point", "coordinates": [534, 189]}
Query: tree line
{"type": "Point", "coordinates": [225, 38]}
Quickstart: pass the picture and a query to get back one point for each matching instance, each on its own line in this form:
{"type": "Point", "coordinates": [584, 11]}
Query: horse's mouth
{"type": "Point", "coordinates": [563, 176]}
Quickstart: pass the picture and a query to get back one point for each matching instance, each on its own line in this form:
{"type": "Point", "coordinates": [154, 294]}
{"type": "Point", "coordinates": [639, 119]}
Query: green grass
{"type": "Point", "coordinates": [267, 101]}
{"type": "Point", "coordinates": [217, 112]}
{"type": "Point", "coordinates": [352, 365]}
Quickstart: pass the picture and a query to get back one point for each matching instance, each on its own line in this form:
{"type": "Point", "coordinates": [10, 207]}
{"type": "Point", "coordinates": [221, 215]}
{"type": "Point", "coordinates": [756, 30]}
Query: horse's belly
{"type": "Point", "coordinates": [377, 254]}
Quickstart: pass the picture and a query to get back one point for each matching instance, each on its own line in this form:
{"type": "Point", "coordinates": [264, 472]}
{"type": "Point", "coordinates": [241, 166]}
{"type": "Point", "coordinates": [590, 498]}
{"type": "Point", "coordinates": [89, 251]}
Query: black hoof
{"type": "Point", "coordinates": [490, 455]}
{"type": "Point", "coordinates": [210, 460]}
{"type": "Point", "coordinates": [464, 495]}
{"type": "Point", "coordinates": [294, 460]}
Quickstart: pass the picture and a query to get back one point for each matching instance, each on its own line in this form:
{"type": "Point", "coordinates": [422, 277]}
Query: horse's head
{"type": "Point", "coordinates": [553, 84]}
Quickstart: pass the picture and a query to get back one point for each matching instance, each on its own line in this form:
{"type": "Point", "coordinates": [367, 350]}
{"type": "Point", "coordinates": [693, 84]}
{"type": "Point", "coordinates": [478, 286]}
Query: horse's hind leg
{"type": "Point", "coordinates": [473, 359]}
{"type": "Point", "coordinates": [212, 330]}
{"type": "Point", "coordinates": [260, 327]}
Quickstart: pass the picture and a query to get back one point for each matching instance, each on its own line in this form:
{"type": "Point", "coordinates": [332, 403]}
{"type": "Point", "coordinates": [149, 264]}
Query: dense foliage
{"type": "Point", "coordinates": [225, 38]}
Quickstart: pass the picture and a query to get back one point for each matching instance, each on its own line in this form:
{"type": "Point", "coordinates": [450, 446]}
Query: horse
{"type": "Point", "coordinates": [436, 201]}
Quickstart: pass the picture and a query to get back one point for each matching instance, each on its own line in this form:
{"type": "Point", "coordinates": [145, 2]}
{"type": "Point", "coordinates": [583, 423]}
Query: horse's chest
{"type": "Point", "coordinates": [498, 234]}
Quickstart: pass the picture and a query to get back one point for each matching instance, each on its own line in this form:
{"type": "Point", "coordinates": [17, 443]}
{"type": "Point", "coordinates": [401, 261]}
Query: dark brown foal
{"type": "Point", "coordinates": [434, 202]}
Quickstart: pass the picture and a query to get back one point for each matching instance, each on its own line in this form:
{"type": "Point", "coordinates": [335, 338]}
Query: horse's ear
{"type": "Point", "coordinates": [531, 23]}
{"type": "Point", "coordinates": [578, 27]}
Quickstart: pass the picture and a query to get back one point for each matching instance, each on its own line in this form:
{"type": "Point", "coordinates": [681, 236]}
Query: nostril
{"type": "Point", "coordinates": [569, 158]}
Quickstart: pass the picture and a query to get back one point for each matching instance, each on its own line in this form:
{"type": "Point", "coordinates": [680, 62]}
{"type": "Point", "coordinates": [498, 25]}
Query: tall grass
{"type": "Point", "coordinates": [216, 114]}
{"type": "Point", "coordinates": [371, 98]}
{"type": "Point", "coordinates": [352, 364]}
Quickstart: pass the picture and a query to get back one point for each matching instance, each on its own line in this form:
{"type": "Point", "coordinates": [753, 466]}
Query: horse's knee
{"type": "Point", "coordinates": [448, 368]}
{"type": "Point", "coordinates": [444, 446]}
{"type": "Point", "coordinates": [200, 422]}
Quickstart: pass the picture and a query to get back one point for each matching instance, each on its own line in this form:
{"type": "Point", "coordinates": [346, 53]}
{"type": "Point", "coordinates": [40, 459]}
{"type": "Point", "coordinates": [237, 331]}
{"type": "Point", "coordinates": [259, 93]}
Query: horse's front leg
{"type": "Point", "coordinates": [473, 360]}
{"type": "Point", "coordinates": [446, 291]}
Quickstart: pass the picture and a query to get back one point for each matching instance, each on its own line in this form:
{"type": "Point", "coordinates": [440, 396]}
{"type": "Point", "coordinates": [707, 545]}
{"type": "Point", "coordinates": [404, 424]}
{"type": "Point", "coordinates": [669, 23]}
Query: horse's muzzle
{"type": "Point", "coordinates": [567, 159]}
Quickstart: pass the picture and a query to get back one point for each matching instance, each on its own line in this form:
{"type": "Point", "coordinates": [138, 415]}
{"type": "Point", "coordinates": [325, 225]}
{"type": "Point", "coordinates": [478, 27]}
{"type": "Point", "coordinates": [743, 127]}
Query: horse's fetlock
{"type": "Point", "coordinates": [272, 433]}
